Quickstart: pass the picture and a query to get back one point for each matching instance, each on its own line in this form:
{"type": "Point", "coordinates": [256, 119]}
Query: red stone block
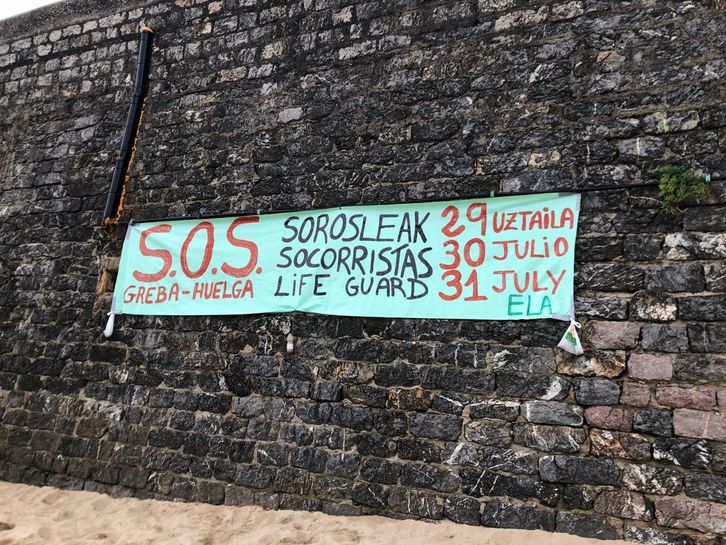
{"type": "Point", "coordinates": [635, 394]}
{"type": "Point", "coordinates": [686, 396]}
{"type": "Point", "coordinates": [650, 366]}
{"type": "Point", "coordinates": [693, 514]}
{"type": "Point", "coordinates": [610, 418]}
{"type": "Point", "coordinates": [699, 424]}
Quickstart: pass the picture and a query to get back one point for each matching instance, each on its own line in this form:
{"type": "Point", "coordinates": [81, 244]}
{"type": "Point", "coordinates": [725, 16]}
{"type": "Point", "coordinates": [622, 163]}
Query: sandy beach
{"type": "Point", "coordinates": [32, 515]}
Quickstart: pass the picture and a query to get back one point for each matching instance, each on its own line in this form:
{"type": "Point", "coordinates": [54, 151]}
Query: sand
{"type": "Point", "coordinates": [32, 515]}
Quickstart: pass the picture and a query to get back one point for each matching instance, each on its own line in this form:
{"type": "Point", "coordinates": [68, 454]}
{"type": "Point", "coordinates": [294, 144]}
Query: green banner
{"type": "Point", "coordinates": [499, 258]}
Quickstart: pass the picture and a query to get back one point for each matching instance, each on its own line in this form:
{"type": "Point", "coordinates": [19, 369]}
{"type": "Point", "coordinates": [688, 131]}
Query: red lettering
{"type": "Point", "coordinates": [248, 289]}
{"type": "Point", "coordinates": [503, 275]}
{"type": "Point", "coordinates": [448, 229]}
{"type": "Point", "coordinates": [473, 281]}
{"type": "Point", "coordinates": [561, 246]}
{"type": "Point", "coordinates": [556, 281]}
{"type": "Point", "coordinates": [208, 247]}
{"type": "Point", "coordinates": [505, 248]}
{"type": "Point", "coordinates": [567, 218]}
{"type": "Point", "coordinates": [240, 272]}
{"type": "Point", "coordinates": [164, 255]}
{"type": "Point", "coordinates": [454, 253]}
{"type": "Point", "coordinates": [480, 252]}
{"type": "Point", "coordinates": [455, 283]}
{"type": "Point", "coordinates": [129, 297]}
{"type": "Point", "coordinates": [481, 215]}
{"type": "Point", "coordinates": [161, 296]}
{"type": "Point", "coordinates": [519, 288]}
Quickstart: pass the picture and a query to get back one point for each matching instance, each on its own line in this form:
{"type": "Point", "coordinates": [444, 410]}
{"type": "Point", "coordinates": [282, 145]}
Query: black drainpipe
{"type": "Point", "coordinates": [141, 86]}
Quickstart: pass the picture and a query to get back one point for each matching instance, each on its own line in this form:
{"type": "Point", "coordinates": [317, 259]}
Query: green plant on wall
{"type": "Point", "coordinates": [677, 185]}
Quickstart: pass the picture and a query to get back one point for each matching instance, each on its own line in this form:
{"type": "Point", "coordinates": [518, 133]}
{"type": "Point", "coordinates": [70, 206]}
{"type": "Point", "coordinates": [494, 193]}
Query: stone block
{"type": "Point", "coordinates": [370, 494]}
{"type": "Point", "coordinates": [300, 434]}
{"type": "Point", "coordinates": [419, 504]}
{"type": "Point", "coordinates": [707, 337]}
{"type": "Point", "coordinates": [686, 396]}
{"type": "Point", "coordinates": [579, 497]}
{"type": "Point", "coordinates": [610, 418]}
{"type": "Point", "coordinates": [524, 386]}
{"type": "Point", "coordinates": [416, 449]}
{"type": "Point", "coordinates": [577, 470]}
{"type": "Point", "coordinates": [692, 514]}
{"type": "Point", "coordinates": [699, 424]}
{"type": "Point", "coordinates": [292, 481]}
{"type": "Point", "coordinates": [652, 479]}
{"type": "Point", "coordinates": [682, 452]}
{"type": "Point", "coordinates": [247, 407]}
{"type": "Point", "coordinates": [347, 416]}
{"type": "Point", "coordinates": [552, 412]}
{"type": "Point", "coordinates": [597, 391]}
{"type": "Point", "coordinates": [587, 525]}
{"type": "Point", "coordinates": [700, 367]}
{"type": "Point", "coordinates": [494, 408]}
{"type": "Point", "coordinates": [613, 444]}
{"type": "Point", "coordinates": [392, 423]}
{"type": "Point", "coordinates": [678, 278]}
{"type": "Point", "coordinates": [601, 363]}
{"type": "Point", "coordinates": [397, 375]}
{"type": "Point", "coordinates": [654, 536]}
{"type": "Point", "coordinates": [433, 478]}
{"type": "Point", "coordinates": [343, 464]}
{"type": "Point", "coordinates": [436, 426]}
{"type": "Point", "coordinates": [639, 247]}
{"type": "Point", "coordinates": [635, 394]}
{"type": "Point", "coordinates": [654, 422]}
{"type": "Point", "coordinates": [650, 366]}
{"type": "Point", "coordinates": [373, 396]}
{"type": "Point", "coordinates": [707, 308]}
{"type": "Point", "coordinates": [449, 402]}
{"type": "Point", "coordinates": [277, 454]}
{"type": "Point", "coordinates": [380, 471]}
{"type": "Point", "coordinates": [715, 274]}
{"type": "Point", "coordinates": [463, 454]}
{"type": "Point", "coordinates": [332, 488]}
{"type": "Point", "coordinates": [255, 476]}
{"type": "Point", "coordinates": [373, 444]}
{"type": "Point", "coordinates": [502, 514]}
{"type": "Point", "coordinates": [488, 431]}
{"type": "Point", "coordinates": [462, 509]}
{"type": "Point", "coordinates": [309, 458]}
{"type": "Point", "coordinates": [238, 495]}
{"type": "Point", "coordinates": [653, 306]}
{"type": "Point", "coordinates": [406, 399]}
{"type": "Point", "coordinates": [531, 360]}
{"type": "Point", "coordinates": [479, 482]}
{"type": "Point", "coordinates": [611, 308]}
{"type": "Point", "coordinates": [468, 381]}
{"type": "Point", "coordinates": [665, 337]}
{"type": "Point", "coordinates": [511, 460]}
{"type": "Point", "coordinates": [210, 492]}
{"type": "Point", "coordinates": [611, 335]}
{"type": "Point", "coordinates": [624, 504]}
{"type": "Point", "coordinates": [706, 486]}
{"type": "Point", "coordinates": [549, 438]}
{"type": "Point", "coordinates": [327, 391]}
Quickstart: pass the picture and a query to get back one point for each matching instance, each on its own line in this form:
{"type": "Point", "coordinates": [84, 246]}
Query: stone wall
{"type": "Point", "coordinates": [299, 104]}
